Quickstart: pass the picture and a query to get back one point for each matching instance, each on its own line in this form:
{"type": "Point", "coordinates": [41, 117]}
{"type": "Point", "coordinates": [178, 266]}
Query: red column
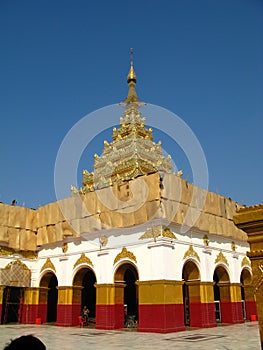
{"type": "Point", "coordinates": [69, 305]}
{"type": "Point", "coordinates": [110, 306]}
{"type": "Point", "coordinates": [30, 308]}
{"type": "Point", "coordinates": [230, 303]}
{"type": "Point", "coordinates": [160, 306]}
{"type": "Point", "coordinates": [202, 308]}
{"type": "Point", "coordinates": [42, 304]}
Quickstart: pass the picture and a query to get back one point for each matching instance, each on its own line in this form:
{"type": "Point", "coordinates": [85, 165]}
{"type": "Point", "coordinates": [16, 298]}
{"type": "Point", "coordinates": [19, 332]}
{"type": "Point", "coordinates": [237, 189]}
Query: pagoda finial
{"type": "Point", "coordinates": [131, 58]}
{"type": "Point", "coordinates": [131, 76]}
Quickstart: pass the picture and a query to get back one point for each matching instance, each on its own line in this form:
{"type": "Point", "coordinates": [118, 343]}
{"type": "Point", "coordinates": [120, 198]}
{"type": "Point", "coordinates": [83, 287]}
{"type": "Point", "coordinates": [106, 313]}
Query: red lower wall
{"type": "Point", "coordinates": [202, 315]}
{"type": "Point", "coordinates": [231, 312]}
{"type": "Point", "coordinates": [161, 318]}
{"type": "Point", "coordinates": [109, 316]}
{"type": "Point", "coordinates": [76, 311]}
{"type": "Point", "coordinates": [67, 315]}
{"type": "Point", "coordinates": [251, 309]}
{"type": "Point", "coordinates": [42, 312]}
{"type": "Point", "coordinates": [29, 313]}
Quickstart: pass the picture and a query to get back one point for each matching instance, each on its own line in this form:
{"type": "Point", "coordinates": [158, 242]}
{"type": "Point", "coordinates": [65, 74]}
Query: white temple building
{"type": "Point", "coordinates": [77, 251]}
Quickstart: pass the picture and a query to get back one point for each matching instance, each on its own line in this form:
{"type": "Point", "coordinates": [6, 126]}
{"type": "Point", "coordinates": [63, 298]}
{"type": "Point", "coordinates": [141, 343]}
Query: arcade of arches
{"type": "Point", "coordinates": [186, 303]}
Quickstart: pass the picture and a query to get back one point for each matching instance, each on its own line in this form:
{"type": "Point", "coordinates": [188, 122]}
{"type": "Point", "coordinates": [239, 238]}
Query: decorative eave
{"type": "Point", "coordinates": [249, 217]}
{"type": "Point", "coordinates": [131, 130]}
{"type": "Point", "coordinates": [221, 259]}
{"type": "Point", "coordinates": [250, 220]}
{"type": "Point", "coordinates": [125, 254]}
{"type": "Point", "coordinates": [191, 253]}
{"type": "Point", "coordinates": [48, 265]}
{"type": "Point", "coordinates": [158, 231]}
{"type": "Point", "coordinates": [83, 259]}
{"type": "Point", "coordinates": [245, 262]}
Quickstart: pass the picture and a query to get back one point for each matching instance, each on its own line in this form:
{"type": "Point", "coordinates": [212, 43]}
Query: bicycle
{"type": "Point", "coordinates": [131, 322]}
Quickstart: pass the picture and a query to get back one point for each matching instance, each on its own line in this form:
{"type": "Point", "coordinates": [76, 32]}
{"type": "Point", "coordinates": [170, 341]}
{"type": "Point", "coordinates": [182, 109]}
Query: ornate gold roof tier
{"type": "Point", "coordinates": [132, 152]}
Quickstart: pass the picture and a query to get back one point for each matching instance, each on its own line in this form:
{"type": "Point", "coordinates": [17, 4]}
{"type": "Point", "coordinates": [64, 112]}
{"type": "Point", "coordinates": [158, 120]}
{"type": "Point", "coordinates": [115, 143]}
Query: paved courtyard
{"type": "Point", "coordinates": [242, 336]}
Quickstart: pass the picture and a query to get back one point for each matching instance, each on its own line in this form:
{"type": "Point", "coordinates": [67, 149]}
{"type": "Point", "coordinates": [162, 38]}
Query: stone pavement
{"type": "Point", "coordinates": [242, 336]}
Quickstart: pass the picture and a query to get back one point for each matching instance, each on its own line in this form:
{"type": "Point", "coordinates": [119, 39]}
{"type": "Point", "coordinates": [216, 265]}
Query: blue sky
{"type": "Point", "coordinates": [61, 60]}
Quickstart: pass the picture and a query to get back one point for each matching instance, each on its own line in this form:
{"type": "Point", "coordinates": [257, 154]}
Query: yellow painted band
{"type": "Point", "coordinates": [65, 295]}
{"type": "Point", "coordinates": [1, 294]}
{"type": "Point", "coordinates": [207, 292]}
{"type": "Point", "coordinates": [235, 292]}
{"type": "Point", "coordinates": [110, 294]}
{"type": "Point", "coordinates": [160, 292]}
{"type": "Point", "coordinates": [31, 296]}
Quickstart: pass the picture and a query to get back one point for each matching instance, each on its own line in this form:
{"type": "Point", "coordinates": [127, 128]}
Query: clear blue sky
{"type": "Point", "coordinates": [60, 60]}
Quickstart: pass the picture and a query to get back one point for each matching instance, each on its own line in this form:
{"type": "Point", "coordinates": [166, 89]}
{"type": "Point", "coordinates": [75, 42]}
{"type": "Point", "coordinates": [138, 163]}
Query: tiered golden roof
{"type": "Point", "coordinates": [132, 152]}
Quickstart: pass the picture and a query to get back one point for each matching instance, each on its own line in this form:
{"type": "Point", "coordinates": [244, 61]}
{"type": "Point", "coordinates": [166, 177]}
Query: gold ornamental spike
{"type": "Point", "coordinates": [131, 75]}
{"type": "Point", "coordinates": [132, 97]}
{"type": "Point", "coordinates": [131, 80]}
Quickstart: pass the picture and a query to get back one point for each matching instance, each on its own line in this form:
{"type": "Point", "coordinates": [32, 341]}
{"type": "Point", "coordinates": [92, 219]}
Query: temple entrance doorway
{"type": "Point", "coordinates": [12, 304]}
{"type": "Point", "coordinates": [49, 281]}
{"type": "Point", "coordinates": [86, 279]}
{"type": "Point", "coordinates": [221, 292]}
{"type": "Point", "coordinates": [128, 274]}
{"type": "Point", "coordinates": [191, 289]}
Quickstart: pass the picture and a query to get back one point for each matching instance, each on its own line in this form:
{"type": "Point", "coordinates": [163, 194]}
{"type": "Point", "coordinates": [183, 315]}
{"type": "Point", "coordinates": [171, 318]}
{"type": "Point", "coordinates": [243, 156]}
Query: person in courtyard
{"type": "Point", "coordinates": [26, 342]}
{"type": "Point", "coordinates": [85, 314]}
{"type": "Point", "coordinates": [125, 315]}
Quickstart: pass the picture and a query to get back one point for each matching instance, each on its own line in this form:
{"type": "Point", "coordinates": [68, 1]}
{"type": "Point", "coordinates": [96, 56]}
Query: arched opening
{"type": "Point", "coordinates": [50, 282]}
{"type": "Point", "coordinates": [128, 274]}
{"type": "Point", "coordinates": [191, 288]}
{"type": "Point", "coordinates": [245, 280]}
{"type": "Point", "coordinates": [221, 290]}
{"type": "Point", "coordinates": [86, 279]}
{"type": "Point", "coordinates": [12, 304]}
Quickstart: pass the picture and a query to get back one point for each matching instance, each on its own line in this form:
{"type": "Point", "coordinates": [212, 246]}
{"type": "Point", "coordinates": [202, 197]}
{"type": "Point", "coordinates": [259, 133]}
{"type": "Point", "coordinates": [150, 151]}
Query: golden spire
{"type": "Point", "coordinates": [131, 76]}
{"type": "Point", "coordinates": [131, 80]}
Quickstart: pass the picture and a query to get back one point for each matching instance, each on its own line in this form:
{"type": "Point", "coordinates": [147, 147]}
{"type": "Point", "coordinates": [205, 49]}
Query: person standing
{"type": "Point", "coordinates": [85, 314]}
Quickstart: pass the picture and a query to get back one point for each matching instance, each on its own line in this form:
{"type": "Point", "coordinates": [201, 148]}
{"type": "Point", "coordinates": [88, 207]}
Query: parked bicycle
{"type": "Point", "coordinates": [131, 322]}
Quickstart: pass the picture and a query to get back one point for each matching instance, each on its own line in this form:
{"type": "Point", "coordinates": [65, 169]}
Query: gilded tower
{"type": "Point", "coordinates": [132, 152]}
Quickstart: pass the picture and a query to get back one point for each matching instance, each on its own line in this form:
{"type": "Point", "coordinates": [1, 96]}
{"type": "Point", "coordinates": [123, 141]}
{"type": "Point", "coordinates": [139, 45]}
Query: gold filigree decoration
{"type": "Point", "coordinates": [168, 233]}
{"type": "Point", "coordinates": [153, 232]}
{"type": "Point", "coordinates": [158, 231]}
{"type": "Point", "coordinates": [125, 254]}
{"type": "Point", "coordinates": [233, 246]}
{"type": "Point", "coordinates": [48, 265]}
{"type": "Point", "coordinates": [83, 259]}
{"type": "Point", "coordinates": [245, 262]}
{"type": "Point", "coordinates": [28, 254]}
{"type": "Point", "coordinates": [6, 251]}
{"type": "Point", "coordinates": [258, 277]}
{"type": "Point", "coordinates": [16, 263]}
{"type": "Point", "coordinates": [221, 258]}
{"type": "Point", "coordinates": [103, 241]}
{"type": "Point", "coordinates": [206, 240]}
{"type": "Point", "coordinates": [191, 253]}
{"type": "Point", "coordinates": [65, 247]}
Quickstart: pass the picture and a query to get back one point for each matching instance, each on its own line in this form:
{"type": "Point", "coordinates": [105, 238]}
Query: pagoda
{"type": "Point", "coordinates": [132, 152]}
